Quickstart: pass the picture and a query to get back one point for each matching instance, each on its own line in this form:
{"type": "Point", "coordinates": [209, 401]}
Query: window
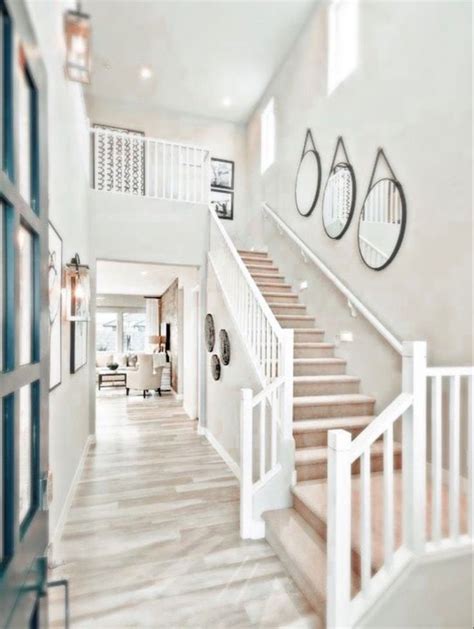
{"type": "Point", "coordinates": [134, 324]}
{"type": "Point", "coordinates": [106, 331]}
{"type": "Point", "coordinates": [268, 136]}
{"type": "Point", "coordinates": [343, 30]}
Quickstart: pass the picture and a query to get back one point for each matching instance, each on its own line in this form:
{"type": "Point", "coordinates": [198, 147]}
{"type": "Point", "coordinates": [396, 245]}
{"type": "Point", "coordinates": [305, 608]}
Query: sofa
{"type": "Point", "coordinates": [125, 361]}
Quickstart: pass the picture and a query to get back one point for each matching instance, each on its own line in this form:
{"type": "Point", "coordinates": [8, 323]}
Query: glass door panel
{"type": "Point", "coordinates": [26, 294]}
{"type": "Point", "coordinates": [25, 473]}
{"type": "Point", "coordinates": [24, 132]}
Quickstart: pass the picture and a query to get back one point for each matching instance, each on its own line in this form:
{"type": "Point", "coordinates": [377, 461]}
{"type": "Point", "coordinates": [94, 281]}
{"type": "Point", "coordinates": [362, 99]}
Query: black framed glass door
{"type": "Point", "coordinates": [24, 347]}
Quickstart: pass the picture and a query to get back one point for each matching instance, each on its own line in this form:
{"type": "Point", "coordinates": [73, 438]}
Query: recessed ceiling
{"type": "Point", "coordinates": [129, 278]}
{"type": "Point", "coordinates": [210, 59]}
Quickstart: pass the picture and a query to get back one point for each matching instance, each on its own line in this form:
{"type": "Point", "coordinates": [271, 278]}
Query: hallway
{"type": "Point", "coordinates": [152, 539]}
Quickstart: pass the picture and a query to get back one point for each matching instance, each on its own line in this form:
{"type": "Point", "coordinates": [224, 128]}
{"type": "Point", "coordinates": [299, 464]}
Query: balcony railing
{"type": "Point", "coordinates": [131, 163]}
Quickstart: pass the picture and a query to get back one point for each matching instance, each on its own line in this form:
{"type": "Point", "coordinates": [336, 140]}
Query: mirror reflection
{"type": "Point", "coordinates": [308, 177]}
{"type": "Point", "coordinates": [382, 223]}
{"type": "Point", "coordinates": [338, 201]}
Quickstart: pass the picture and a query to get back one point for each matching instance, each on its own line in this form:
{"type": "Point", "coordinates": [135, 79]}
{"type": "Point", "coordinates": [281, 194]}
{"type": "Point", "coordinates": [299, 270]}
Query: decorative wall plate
{"type": "Point", "coordinates": [225, 347]}
{"type": "Point", "coordinates": [215, 367]}
{"type": "Point", "coordinates": [210, 332]}
{"type": "Point", "coordinates": [382, 218]}
{"type": "Point", "coordinates": [308, 177]}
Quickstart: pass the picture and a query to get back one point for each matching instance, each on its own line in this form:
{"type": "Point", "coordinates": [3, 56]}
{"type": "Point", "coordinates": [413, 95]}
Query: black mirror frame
{"type": "Point", "coordinates": [346, 164]}
{"type": "Point", "coordinates": [398, 185]}
{"type": "Point", "coordinates": [309, 137]}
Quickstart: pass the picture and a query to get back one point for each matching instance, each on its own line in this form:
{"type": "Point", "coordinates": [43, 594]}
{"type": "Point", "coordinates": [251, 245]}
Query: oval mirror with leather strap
{"type": "Point", "coordinates": [308, 177]}
{"type": "Point", "coordinates": [382, 219]}
{"type": "Point", "coordinates": [339, 194]}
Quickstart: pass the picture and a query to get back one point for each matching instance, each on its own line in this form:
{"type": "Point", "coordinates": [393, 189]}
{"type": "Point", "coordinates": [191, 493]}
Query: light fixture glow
{"type": "Point", "coordinates": [226, 102]}
{"type": "Point", "coordinates": [145, 73]}
{"type": "Point", "coordinates": [77, 29]}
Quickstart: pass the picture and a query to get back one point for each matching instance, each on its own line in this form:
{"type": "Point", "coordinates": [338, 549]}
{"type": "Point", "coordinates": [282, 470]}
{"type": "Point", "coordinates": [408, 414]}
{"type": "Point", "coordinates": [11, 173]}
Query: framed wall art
{"type": "Point", "coordinates": [222, 201]}
{"type": "Point", "coordinates": [222, 173]}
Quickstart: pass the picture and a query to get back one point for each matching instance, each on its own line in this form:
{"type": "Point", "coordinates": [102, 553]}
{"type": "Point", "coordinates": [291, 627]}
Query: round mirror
{"type": "Point", "coordinates": [382, 223]}
{"type": "Point", "coordinates": [308, 182]}
{"type": "Point", "coordinates": [339, 200]}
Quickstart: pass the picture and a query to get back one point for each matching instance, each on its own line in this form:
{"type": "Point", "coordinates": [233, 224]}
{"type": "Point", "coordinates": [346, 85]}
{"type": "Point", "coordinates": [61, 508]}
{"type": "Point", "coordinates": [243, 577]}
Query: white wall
{"type": "Point", "coordinates": [411, 95]}
{"type": "Point", "coordinates": [224, 139]}
{"type": "Point", "coordinates": [68, 164]}
{"type": "Point", "coordinates": [223, 396]}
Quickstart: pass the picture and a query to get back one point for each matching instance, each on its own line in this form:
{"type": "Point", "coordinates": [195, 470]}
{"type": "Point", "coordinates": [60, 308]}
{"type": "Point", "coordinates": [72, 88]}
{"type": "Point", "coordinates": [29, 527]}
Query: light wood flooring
{"type": "Point", "coordinates": [152, 538]}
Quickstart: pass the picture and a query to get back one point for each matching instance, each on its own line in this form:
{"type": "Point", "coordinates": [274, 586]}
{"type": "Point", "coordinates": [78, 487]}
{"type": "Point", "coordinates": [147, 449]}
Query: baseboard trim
{"type": "Point", "coordinates": [58, 531]}
{"type": "Point", "coordinates": [219, 448]}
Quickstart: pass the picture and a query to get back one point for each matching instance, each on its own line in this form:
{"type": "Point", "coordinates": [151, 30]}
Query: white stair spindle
{"type": "Point", "coordinates": [436, 457]}
{"type": "Point", "coordinates": [470, 455]}
{"type": "Point", "coordinates": [388, 518]}
{"type": "Point", "coordinates": [338, 582]}
{"type": "Point", "coordinates": [246, 464]}
{"type": "Point", "coordinates": [454, 444]}
{"type": "Point", "coordinates": [263, 437]}
{"type": "Point", "coordinates": [365, 522]}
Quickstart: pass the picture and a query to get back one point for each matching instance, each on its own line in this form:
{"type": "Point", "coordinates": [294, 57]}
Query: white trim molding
{"type": "Point", "coordinates": [221, 451]}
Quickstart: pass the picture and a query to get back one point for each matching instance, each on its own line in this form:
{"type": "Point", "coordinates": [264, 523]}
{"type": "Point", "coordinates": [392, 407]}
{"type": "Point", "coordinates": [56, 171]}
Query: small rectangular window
{"type": "Point", "coordinates": [268, 136]}
{"type": "Point", "coordinates": [106, 331]}
{"type": "Point", "coordinates": [343, 27]}
{"type": "Point", "coordinates": [134, 324]}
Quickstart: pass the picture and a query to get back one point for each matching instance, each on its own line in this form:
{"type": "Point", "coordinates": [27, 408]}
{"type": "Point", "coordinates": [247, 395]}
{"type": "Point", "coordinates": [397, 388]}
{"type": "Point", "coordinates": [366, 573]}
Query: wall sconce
{"type": "Point", "coordinates": [77, 29]}
{"type": "Point", "coordinates": [78, 290]}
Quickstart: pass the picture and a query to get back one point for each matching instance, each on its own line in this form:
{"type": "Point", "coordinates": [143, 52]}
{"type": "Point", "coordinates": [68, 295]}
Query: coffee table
{"type": "Point", "coordinates": [112, 379]}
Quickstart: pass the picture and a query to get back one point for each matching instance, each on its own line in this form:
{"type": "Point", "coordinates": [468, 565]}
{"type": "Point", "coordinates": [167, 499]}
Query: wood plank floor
{"type": "Point", "coordinates": [152, 538]}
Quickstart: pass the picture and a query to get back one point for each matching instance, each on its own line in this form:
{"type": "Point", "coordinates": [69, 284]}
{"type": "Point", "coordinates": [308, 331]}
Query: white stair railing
{"type": "Point", "coordinates": [131, 163]}
{"type": "Point", "coordinates": [266, 445]}
{"type": "Point", "coordinates": [424, 530]}
{"type": "Point", "coordinates": [406, 415]}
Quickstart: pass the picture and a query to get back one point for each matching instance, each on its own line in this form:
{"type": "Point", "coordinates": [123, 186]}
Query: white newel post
{"type": "Point", "coordinates": [246, 463]}
{"type": "Point", "coordinates": [414, 446]}
{"type": "Point", "coordinates": [338, 530]}
{"type": "Point", "coordinates": [287, 367]}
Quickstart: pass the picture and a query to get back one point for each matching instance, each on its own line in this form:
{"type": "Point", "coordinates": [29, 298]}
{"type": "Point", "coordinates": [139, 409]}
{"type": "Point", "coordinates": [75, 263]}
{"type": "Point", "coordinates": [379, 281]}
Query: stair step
{"type": "Point", "coordinates": [302, 552]}
{"type": "Point", "coordinates": [253, 259]}
{"type": "Point", "coordinates": [313, 350]}
{"type": "Point", "coordinates": [310, 335]}
{"type": "Point", "coordinates": [286, 298]}
{"type": "Point", "coordinates": [318, 366]}
{"type": "Point", "coordinates": [312, 433]}
{"type": "Point", "coordinates": [315, 406]}
{"type": "Point", "coordinates": [311, 463]}
{"type": "Point", "coordinates": [266, 276]}
{"type": "Point", "coordinates": [282, 308]}
{"type": "Point", "coordinates": [279, 285]}
{"type": "Point", "coordinates": [325, 385]}
{"type": "Point", "coordinates": [295, 321]}
{"type": "Point", "coordinates": [310, 501]}
{"type": "Point", "coordinates": [253, 254]}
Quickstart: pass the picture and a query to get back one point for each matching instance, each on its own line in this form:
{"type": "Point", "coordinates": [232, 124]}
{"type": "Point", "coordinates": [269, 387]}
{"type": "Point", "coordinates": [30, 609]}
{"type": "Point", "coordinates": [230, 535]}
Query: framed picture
{"type": "Point", "coordinates": [78, 345]}
{"type": "Point", "coordinates": [55, 266]}
{"type": "Point", "coordinates": [222, 201]}
{"type": "Point", "coordinates": [222, 173]}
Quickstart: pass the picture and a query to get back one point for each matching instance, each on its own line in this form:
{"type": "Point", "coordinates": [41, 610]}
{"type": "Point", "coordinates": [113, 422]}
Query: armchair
{"type": "Point", "coordinates": [144, 377]}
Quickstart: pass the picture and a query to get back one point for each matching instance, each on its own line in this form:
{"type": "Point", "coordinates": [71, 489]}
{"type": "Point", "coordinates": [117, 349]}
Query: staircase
{"type": "Point", "coordinates": [325, 398]}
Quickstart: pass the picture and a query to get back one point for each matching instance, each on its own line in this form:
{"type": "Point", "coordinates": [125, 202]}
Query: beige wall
{"type": "Point", "coordinates": [411, 94]}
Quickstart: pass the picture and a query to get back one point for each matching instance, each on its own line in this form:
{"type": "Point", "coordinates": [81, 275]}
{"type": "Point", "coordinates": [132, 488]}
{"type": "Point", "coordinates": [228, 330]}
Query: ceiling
{"type": "Point", "coordinates": [200, 52]}
{"type": "Point", "coordinates": [129, 278]}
